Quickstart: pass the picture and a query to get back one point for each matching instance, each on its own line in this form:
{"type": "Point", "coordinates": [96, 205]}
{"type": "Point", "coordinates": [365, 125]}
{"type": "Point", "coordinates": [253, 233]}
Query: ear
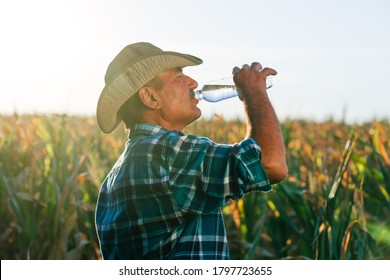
{"type": "Point", "coordinates": [149, 97]}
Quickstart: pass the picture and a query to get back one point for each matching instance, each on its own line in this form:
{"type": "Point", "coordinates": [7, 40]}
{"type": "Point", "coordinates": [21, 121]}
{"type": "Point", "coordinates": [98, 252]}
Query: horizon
{"type": "Point", "coordinates": [209, 117]}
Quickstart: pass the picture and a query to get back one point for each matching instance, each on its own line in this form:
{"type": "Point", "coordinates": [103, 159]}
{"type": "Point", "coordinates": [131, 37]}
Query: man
{"type": "Point", "coordinates": [163, 197]}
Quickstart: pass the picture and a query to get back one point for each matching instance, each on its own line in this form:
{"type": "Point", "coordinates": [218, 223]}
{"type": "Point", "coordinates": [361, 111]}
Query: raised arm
{"type": "Point", "coordinates": [262, 122]}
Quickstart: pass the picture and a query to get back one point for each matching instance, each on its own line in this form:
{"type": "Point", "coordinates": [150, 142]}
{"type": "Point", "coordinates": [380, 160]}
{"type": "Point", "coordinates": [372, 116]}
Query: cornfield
{"type": "Point", "coordinates": [335, 203]}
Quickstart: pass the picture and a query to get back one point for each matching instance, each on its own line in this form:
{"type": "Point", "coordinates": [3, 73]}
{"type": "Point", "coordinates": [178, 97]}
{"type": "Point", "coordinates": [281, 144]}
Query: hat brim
{"type": "Point", "coordinates": [118, 91]}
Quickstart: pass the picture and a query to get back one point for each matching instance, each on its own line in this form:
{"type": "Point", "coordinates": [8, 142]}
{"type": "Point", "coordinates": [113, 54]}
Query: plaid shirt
{"type": "Point", "coordinates": [163, 197]}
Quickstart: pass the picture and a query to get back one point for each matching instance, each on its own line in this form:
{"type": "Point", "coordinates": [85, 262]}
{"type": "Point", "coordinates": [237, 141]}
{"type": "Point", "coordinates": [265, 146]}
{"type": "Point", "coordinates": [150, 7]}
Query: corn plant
{"type": "Point", "coordinates": [335, 203]}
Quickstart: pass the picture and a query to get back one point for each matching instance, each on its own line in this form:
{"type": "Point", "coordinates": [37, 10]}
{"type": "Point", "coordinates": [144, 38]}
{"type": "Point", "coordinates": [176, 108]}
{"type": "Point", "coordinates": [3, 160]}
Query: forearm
{"type": "Point", "coordinates": [264, 127]}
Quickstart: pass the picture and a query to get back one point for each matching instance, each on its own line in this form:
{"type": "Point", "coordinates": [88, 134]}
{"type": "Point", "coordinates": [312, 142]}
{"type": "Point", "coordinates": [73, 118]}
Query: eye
{"type": "Point", "coordinates": [179, 72]}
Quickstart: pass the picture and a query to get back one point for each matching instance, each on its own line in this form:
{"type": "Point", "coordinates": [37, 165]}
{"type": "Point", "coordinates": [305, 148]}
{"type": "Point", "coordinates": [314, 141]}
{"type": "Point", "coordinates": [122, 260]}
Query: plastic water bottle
{"type": "Point", "coordinates": [215, 92]}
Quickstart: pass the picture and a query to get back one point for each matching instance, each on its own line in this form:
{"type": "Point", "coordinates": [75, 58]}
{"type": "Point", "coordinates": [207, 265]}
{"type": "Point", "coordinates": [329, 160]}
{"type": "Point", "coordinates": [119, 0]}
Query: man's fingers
{"type": "Point", "coordinates": [235, 70]}
{"type": "Point", "coordinates": [256, 66]}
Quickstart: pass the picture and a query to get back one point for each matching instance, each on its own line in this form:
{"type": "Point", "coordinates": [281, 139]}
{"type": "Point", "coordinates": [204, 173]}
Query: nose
{"type": "Point", "coordinates": [192, 84]}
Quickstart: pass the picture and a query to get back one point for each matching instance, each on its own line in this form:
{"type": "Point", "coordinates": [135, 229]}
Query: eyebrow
{"type": "Point", "coordinates": [178, 69]}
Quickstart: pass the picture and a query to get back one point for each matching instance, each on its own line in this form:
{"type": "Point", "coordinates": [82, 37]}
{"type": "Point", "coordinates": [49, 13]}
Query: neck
{"type": "Point", "coordinates": [153, 117]}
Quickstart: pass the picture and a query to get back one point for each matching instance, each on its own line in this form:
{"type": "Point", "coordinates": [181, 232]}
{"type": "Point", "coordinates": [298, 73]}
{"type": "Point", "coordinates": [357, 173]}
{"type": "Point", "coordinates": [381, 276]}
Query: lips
{"type": "Point", "coordinates": [192, 96]}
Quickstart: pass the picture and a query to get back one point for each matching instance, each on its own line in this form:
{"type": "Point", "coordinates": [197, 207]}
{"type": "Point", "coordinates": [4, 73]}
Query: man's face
{"type": "Point", "coordinates": [178, 105]}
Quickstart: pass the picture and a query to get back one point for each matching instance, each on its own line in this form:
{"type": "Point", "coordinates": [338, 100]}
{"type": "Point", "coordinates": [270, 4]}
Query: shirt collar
{"type": "Point", "coordinates": [146, 129]}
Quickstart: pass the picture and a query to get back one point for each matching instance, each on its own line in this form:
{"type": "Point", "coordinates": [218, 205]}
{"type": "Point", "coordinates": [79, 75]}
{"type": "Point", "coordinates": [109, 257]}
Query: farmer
{"type": "Point", "coordinates": [163, 197]}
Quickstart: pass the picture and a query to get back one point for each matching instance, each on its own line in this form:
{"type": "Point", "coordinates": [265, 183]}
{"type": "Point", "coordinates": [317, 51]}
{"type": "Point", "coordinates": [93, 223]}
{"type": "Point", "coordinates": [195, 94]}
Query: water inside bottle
{"type": "Point", "coordinates": [221, 89]}
{"type": "Point", "coordinates": [215, 93]}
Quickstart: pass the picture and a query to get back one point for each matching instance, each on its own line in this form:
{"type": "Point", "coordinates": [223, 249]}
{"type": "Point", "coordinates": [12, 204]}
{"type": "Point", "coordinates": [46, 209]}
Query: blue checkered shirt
{"type": "Point", "coordinates": [163, 197]}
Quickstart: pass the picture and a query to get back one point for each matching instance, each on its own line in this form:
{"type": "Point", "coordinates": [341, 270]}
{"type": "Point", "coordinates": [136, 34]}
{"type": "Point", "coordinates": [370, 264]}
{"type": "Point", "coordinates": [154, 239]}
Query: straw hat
{"type": "Point", "coordinates": [131, 69]}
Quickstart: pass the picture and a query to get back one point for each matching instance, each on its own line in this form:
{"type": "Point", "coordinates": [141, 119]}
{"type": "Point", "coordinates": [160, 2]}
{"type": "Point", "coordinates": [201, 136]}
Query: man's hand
{"type": "Point", "coordinates": [251, 79]}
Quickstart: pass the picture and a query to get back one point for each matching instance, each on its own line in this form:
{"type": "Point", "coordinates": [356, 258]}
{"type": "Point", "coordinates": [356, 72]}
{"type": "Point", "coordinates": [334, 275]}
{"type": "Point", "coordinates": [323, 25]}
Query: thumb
{"type": "Point", "coordinates": [269, 71]}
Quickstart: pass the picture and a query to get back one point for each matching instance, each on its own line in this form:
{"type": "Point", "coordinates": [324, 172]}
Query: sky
{"type": "Point", "coordinates": [332, 56]}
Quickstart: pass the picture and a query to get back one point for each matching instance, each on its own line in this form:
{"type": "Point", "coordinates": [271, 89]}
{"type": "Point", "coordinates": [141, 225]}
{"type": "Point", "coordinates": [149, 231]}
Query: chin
{"type": "Point", "coordinates": [195, 117]}
{"type": "Point", "coordinates": [199, 113]}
